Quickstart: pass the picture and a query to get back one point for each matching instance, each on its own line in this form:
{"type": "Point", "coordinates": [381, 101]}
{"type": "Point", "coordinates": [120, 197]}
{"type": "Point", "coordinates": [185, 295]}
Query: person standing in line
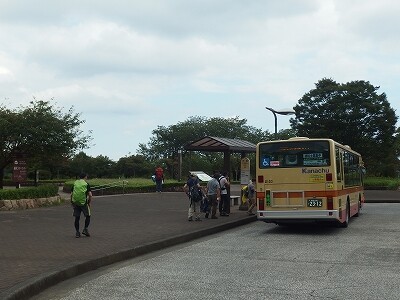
{"type": "Point", "coordinates": [213, 194]}
{"type": "Point", "coordinates": [81, 197]}
{"type": "Point", "coordinates": [251, 198]}
{"type": "Point", "coordinates": [194, 206]}
{"type": "Point", "coordinates": [159, 177]}
{"type": "Point", "coordinates": [224, 204]}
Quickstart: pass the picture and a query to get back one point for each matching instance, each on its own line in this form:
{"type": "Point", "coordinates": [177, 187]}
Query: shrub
{"type": "Point", "coordinates": [381, 183]}
{"type": "Point", "coordinates": [137, 185]}
{"type": "Point", "coordinates": [42, 191]}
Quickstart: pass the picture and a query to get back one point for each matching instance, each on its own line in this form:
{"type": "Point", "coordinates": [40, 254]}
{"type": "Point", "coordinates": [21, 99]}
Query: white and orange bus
{"type": "Point", "coordinates": [304, 179]}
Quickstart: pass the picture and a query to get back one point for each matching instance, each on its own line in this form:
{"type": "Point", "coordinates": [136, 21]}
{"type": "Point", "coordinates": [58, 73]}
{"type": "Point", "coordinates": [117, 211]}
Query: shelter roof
{"type": "Point", "coordinates": [218, 144]}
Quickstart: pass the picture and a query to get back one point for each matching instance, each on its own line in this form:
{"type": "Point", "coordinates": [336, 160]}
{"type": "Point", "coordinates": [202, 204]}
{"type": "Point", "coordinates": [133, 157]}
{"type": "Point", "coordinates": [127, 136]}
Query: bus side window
{"type": "Point", "coordinates": [339, 158]}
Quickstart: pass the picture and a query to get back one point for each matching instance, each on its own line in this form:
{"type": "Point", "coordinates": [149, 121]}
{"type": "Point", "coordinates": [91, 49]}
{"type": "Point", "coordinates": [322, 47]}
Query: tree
{"type": "Point", "coordinates": [353, 114]}
{"type": "Point", "coordinates": [168, 140]}
{"type": "Point", "coordinates": [96, 167]}
{"type": "Point", "coordinates": [134, 166]}
{"type": "Point", "coordinates": [284, 134]}
{"type": "Point", "coordinates": [164, 145]}
{"type": "Point", "coordinates": [80, 163]}
{"type": "Point", "coordinates": [103, 167]}
{"type": "Point", "coordinates": [39, 133]}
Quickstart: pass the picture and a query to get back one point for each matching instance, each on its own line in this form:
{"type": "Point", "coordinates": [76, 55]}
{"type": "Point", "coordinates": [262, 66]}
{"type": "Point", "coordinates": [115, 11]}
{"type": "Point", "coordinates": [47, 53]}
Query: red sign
{"type": "Point", "coordinates": [19, 171]}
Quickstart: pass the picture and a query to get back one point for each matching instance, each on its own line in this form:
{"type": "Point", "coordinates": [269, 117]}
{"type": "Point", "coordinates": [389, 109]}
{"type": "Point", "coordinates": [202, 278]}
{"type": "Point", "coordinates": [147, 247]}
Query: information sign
{"type": "Point", "coordinates": [19, 171]}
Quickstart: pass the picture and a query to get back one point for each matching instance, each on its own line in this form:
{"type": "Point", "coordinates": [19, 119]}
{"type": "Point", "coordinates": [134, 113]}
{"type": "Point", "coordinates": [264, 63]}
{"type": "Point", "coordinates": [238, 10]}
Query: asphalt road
{"type": "Point", "coordinates": [261, 261]}
{"type": "Point", "coordinates": [38, 248]}
{"type": "Point", "coordinates": [376, 196]}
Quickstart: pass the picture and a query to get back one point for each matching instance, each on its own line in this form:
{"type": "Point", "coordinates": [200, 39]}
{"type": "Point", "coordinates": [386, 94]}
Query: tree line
{"type": "Point", "coordinates": [50, 139]}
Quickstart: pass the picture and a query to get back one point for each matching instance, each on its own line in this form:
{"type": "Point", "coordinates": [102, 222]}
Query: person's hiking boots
{"type": "Point", "coordinates": [84, 232]}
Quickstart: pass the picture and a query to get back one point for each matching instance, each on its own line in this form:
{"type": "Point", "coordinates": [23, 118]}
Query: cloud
{"type": "Point", "coordinates": [132, 65]}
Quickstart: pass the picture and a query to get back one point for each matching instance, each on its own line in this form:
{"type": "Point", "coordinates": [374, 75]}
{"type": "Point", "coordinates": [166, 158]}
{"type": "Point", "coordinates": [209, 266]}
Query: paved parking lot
{"type": "Point", "coordinates": [39, 248]}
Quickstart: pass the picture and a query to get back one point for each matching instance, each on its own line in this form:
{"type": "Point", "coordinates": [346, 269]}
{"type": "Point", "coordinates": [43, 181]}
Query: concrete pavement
{"type": "Point", "coordinates": [39, 249]}
{"type": "Point", "coordinates": [377, 196]}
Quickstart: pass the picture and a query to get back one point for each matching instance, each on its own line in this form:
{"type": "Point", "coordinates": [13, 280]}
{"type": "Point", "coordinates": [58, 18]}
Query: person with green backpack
{"type": "Point", "coordinates": [81, 197]}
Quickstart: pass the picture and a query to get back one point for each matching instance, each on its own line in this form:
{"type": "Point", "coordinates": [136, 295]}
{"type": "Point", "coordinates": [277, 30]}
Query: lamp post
{"type": "Point", "coordinates": [284, 112]}
{"type": "Point", "coordinates": [180, 164]}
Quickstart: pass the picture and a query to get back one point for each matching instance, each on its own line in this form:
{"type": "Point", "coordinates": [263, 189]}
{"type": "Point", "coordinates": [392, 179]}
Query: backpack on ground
{"type": "Point", "coordinates": [246, 191]}
{"type": "Point", "coordinates": [195, 193]}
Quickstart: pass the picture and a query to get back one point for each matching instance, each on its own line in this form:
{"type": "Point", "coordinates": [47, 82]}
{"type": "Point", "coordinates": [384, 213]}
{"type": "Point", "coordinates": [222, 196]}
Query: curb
{"type": "Point", "coordinates": [36, 285]}
{"type": "Point", "coordinates": [383, 201]}
{"type": "Point", "coordinates": [21, 204]}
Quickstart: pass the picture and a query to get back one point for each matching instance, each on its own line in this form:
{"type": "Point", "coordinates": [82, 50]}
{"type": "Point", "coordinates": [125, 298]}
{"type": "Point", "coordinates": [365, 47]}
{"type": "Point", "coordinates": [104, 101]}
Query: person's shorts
{"type": "Point", "coordinates": [212, 199]}
{"type": "Point", "coordinates": [85, 209]}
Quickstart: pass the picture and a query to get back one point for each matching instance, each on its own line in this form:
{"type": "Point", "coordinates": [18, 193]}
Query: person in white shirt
{"type": "Point", "coordinates": [224, 205]}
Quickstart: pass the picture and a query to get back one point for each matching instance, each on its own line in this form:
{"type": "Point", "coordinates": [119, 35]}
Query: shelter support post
{"type": "Point", "coordinates": [227, 161]}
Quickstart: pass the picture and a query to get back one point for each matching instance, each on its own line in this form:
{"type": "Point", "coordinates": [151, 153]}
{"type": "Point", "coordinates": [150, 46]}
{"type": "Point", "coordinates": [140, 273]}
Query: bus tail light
{"type": "Point", "coordinates": [260, 179]}
{"type": "Point", "coordinates": [261, 204]}
{"type": "Point", "coordinates": [328, 177]}
{"type": "Point", "coordinates": [329, 203]}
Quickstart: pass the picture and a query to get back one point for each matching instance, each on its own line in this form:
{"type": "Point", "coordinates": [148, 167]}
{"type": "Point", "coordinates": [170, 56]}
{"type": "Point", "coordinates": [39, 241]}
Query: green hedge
{"type": "Point", "coordinates": [32, 182]}
{"type": "Point", "coordinates": [51, 190]}
{"type": "Point", "coordinates": [381, 183]}
{"type": "Point", "coordinates": [129, 188]}
{"type": "Point", "coordinates": [42, 191]}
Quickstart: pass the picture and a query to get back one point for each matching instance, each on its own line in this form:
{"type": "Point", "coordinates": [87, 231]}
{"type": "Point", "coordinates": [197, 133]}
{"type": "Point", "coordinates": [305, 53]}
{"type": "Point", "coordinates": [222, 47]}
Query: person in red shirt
{"type": "Point", "coordinates": [159, 177]}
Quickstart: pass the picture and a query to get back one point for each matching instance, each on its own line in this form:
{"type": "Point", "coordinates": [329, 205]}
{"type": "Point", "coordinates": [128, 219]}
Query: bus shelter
{"type": "Point", "coordinates": [225, 145]}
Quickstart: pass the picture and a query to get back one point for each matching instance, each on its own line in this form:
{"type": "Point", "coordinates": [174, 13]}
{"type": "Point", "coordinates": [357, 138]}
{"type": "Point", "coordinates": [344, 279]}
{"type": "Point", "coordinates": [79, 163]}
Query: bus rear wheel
{"type": "Point", "coordinates": [359, 208]}
{"type": "Point", "coordinates": [345, 224]}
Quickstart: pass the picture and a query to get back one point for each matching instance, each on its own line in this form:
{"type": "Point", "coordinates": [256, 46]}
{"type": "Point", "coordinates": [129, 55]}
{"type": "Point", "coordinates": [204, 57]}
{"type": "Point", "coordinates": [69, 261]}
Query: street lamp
{"type": "Point", "coordinates": [180, 164]}
{"type": "Point", "coordinates": [284, 112]}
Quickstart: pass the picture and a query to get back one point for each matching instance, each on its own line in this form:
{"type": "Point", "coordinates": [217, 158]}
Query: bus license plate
{"type": "Point", "coordinates": [314, 202]}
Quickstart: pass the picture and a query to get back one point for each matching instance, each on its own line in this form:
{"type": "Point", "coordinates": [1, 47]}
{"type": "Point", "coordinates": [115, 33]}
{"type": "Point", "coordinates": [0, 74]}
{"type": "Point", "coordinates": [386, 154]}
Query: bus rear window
{"type": "Point", "coordinates": [294, 154]}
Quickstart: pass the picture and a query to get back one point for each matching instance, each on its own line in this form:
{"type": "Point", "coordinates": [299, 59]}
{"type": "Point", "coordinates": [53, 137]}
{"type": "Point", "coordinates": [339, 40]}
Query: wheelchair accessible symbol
{"type": "Point", "coordinates": [265, 162]}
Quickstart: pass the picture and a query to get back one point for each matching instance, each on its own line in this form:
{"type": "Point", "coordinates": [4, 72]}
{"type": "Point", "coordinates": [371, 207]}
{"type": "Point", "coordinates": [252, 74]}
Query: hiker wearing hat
{"type": "Point", "coordinates": [193, 190]}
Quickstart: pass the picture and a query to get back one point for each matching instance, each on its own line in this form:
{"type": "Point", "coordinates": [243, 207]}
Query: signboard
{"type": "Point", "coordinates": [19, 171]}
{"type": "Point", "coordinates": [244, 170]}
{"type": "Point", "coordinates": [201, 175]}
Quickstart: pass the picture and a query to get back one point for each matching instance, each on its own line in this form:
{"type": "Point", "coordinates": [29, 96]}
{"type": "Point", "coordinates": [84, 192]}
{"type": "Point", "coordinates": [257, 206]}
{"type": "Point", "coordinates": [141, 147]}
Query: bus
{"type": "Point", "coordinates": [308, 180]}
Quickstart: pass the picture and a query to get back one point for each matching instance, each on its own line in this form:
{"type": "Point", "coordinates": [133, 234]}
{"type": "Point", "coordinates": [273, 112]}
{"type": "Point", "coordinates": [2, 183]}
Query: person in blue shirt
{"type": "Point", "coordinates": [194, 206]}
{"type": "Point", "coordinates": [213, 194]}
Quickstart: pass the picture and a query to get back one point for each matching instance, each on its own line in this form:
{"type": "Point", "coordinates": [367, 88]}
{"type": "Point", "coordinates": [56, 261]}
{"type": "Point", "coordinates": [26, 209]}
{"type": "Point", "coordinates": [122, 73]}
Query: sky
{"type": "Point", "coordinates": [129, 66]}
